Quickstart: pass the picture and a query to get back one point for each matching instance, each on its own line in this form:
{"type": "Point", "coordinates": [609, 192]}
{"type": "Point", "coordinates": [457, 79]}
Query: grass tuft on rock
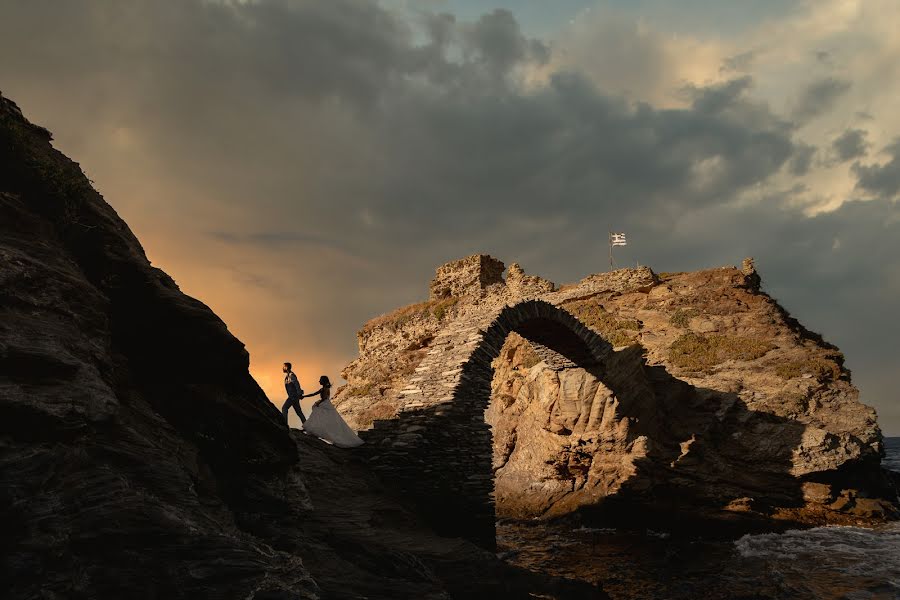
{"type": "Point", "coordinates": [530, 359]}
{"type": "Point", "coordinates": [618, 332]}
{"type": "Point", "coordinates": [669, 275]}
{"type": "Point", "coordinates": [366, 389]}
{"type": "Point", "coordinates": [822, 369]}
{"type": "Point", "coordinates": [695, 352]}
{"type": "Point", "coordinates": [436, 309]}
{"type": "Point", "coordinates": [682, 317]}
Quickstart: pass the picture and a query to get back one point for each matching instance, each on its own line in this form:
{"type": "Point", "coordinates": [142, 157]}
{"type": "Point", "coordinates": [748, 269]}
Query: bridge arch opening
{"type": "Point", "coordinates": [439, 451]}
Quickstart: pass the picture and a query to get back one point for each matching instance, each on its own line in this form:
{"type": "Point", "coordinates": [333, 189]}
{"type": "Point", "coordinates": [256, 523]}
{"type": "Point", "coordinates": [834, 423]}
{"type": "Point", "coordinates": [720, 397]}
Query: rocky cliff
{"type": "Point", "coordinates": [139, 459]}
{"type": "Point", "coordinates": [712, 399]}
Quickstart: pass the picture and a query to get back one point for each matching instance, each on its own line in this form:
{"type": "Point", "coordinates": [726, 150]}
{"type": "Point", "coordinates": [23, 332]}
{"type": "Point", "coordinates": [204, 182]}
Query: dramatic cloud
{"type": "Point", "coordinates": [850, 144]}
{"type": "Point", "coordinates": [304, 165]}
{"type": "Point", "coordinates": [818, 98]}
{"type": "Point", "coordinates": [882, 180]}
{"type": "Point", "coordinates": [802, 159]}
{"type": "Point", "coordinates": [739, 62]}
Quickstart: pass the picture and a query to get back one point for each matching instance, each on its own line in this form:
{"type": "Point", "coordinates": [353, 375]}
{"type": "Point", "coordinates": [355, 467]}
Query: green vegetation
{"type": "Point", "coordinates": [702, 352]}
{"type": "Point", "coordinates": [363, 390]}
{"type": "Point", "coordinates": [619, 332]}
{"type": "Point", "coordinates": [42, 171]}
{"type": "Point", "coordinates": [682, 317]}
{"type": "Point", "coordinates": [823, 369]}
{"type": "Point", "coordinates": [437, 309]}
{"type": "Point", "coordinates": [669, 275]}
{"type": "Point", "coordinates": [441, 307]}
{"type": "Point", "coordinates": [530, 359]}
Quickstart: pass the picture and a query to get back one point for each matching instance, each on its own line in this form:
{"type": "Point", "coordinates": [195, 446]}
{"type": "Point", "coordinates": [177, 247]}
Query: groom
{"type": "Point", "coordinates": [294, 392]}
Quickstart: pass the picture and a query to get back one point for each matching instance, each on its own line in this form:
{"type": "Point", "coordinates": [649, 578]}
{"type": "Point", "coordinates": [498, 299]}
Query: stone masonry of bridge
{"type": "Point", "coordinates": [438, 449]}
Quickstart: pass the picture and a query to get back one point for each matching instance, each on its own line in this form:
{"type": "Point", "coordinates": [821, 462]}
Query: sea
{"type": "Point", "coordinates": [822, 563]}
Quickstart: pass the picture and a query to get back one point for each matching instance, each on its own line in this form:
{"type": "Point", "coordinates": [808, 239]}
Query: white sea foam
{"type": "Point", "coordinates": [848, 562]}
{"type": "Point", "coordinates": [600, 530]}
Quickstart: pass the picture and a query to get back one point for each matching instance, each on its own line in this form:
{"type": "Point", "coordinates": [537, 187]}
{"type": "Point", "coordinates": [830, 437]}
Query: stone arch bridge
{"type": "Point", "coordinates": [438, 450]}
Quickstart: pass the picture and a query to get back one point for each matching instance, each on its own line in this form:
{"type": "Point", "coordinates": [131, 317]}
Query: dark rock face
{"type": "Point", "coordinates": [139, 459]}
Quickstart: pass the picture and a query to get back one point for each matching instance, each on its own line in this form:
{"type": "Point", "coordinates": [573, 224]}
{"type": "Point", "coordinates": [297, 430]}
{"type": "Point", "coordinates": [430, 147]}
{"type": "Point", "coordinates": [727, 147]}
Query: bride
{"type": "Point", "coordinates": [326, 423]}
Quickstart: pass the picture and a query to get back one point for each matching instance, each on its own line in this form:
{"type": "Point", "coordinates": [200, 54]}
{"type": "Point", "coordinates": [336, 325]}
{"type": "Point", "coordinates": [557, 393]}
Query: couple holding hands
{"type": "Point", "coordinates": [324, 421]}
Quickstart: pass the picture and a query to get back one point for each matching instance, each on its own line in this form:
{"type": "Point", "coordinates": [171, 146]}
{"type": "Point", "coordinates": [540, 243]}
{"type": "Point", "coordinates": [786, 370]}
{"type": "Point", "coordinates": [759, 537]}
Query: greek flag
{"type": "Point", "coordinates": [617, 239]}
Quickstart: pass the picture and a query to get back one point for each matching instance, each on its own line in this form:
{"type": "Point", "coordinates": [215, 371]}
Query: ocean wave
{"type": "Point", "coordinates": [830, 562]}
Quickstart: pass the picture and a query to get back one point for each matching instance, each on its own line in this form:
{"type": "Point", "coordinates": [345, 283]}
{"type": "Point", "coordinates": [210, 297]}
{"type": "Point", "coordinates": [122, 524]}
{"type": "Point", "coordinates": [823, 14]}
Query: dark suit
{"type": "Point", "coordinates": [295, 393]}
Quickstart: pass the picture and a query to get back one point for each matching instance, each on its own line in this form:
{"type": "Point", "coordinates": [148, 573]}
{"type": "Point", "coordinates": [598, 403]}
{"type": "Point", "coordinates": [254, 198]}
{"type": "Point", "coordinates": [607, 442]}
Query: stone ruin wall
{"type": "Point", "coordinates": [466, 276]}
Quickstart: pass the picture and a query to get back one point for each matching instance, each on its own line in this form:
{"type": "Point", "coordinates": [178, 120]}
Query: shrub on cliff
{"type": "Point", "coordinates": [436, 309]}
{"type": "Point", "coordinates": [619, 332]}
{"type": "Point", "coordinates": [823, 369]}
{"type": "Point", "coordinates": [696, 352]}
{"type": "Point", "coordinates": [682, 317]}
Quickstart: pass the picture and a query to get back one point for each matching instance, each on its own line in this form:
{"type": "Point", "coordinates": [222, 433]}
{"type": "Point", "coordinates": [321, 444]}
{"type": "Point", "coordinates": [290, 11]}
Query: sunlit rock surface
{"type": "Point", "coordinates": [713, 399]}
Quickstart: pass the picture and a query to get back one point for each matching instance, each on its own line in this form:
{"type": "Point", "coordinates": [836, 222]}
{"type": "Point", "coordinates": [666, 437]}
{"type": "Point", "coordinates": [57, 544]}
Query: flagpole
{"type": "Point", "coordinates": [610, 252]}
{"type": "Point", "coordinates": [615, 239]}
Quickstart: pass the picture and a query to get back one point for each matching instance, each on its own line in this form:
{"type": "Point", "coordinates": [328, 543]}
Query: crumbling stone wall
{"type": "Point", "coordinates": [524, 285]}
{"type": "Point", "coordinates": [466, 276]}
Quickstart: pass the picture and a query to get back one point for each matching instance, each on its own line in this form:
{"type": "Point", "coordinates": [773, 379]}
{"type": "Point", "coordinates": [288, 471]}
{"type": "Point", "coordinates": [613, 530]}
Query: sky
{"type": "Point", "coordinates": [302, 166]}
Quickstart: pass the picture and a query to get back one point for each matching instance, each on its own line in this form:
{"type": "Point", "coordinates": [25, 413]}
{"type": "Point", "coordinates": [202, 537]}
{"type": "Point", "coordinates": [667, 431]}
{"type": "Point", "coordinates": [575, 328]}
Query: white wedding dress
{"type": "Point", "coordinates": [325, 422]}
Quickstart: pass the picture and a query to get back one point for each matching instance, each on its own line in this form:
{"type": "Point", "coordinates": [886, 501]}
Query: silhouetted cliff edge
{"type": "Point", "coordinates": [139, 459]}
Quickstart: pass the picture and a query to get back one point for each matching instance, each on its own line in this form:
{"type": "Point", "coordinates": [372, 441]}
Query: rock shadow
{"type": "Point", "coordinates": [710, 459]}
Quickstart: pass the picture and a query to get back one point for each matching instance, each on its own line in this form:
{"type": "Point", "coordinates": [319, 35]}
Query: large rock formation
{"type": "Point", "coordinates": [714, 400]}
{"type": "Point", "coordinates": [139, 459]}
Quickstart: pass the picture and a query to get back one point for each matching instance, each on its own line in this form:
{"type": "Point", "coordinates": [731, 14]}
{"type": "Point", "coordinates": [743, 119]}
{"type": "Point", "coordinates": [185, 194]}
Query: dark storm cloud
{"type": "Point", "coordinates": [819, 97]}
{"type": "Point", "coordinates": [340, 47]}
{"type": "Point", "coordinates": [850, 144]}
{"type": "Point", "coordinates": [882, 180]}
{"type": "Point", "coordinates": [741, 62]}
{"type": "Point", "coordinates": [463, 158]}
{"type": "Point", "coordinates": [715, 99]}
{"type": "Point", "coordinates": [802, 159]}
{"type": "Point", "coordinates": [497, 40]}
{"type": "Point", "coordinates": [339, 99]}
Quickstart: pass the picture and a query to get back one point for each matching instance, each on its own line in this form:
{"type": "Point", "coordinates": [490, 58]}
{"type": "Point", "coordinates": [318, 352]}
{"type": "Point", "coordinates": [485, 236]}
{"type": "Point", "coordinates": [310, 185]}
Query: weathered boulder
{"type": "Point", "coordinates": [713, 400]}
